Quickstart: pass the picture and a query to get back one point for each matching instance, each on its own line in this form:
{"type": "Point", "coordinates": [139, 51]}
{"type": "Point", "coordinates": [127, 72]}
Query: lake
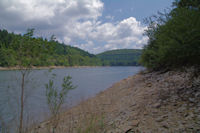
{"type": "Point", "coordinates": [89, 81]}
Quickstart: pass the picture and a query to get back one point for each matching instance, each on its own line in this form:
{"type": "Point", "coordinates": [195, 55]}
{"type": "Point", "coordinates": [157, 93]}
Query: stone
{"type": "Point", "coordinates": [192, 100]}
{"type": "Point", "coordinates": [191, 115]}
{"type": "Point", "coordinates": [186, 114]}
{"type": "Point", "coordinates": [145, 113]}
{"type": "Point", "coordinates": [198, 116]}
{"type": "Point", "coordinates": [155, 111]}
{"type": "Point", "coordinates": [132, 105]}
{"type": "Point", "coordinates": [184, 122]}
{"type": "Point", "coordinates": [149, 84]}
{"type": "Point", "coordinates": [197, 94]}
{"type": "Point", "coordinates": [110, 122]}
{"type": "Point", "coordinates": [160, 119]}
{"type": "Point", "coordinates": [132, 118]}
{"type": "Point", "coordinates": [165, 125]}
{"type": "Point", "coordinates": [165, 116]}
{"type": "Point", "coordinates": [135, 123]}
{"type": "Point", "coordinates": [181, 109]}
{"type": "Point", "coordinates": [197, 111]}
{"type": "Point", "coordinates": [114, 131]}
{"type": "Point", "coordinates": [129, 131]}
{"type": "Point", "coordinates": [126, 128]}
{"type": "Point", "coordinates": [157, 105]}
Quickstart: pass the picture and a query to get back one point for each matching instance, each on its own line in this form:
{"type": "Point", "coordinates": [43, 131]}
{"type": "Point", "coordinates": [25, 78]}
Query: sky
{"type": "Point", "coordinates": [92, 25]}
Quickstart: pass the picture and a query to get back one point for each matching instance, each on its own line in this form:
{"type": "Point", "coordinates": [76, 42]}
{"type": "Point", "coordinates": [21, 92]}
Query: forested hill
{"type": "Point", "coordinates": [120, 57]}
{"type": "Point", "coordinates": [26, 50]}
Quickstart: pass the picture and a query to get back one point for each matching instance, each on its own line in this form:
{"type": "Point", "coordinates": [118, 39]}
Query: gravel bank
{"type": "Point", "coordinates": [149, 102]}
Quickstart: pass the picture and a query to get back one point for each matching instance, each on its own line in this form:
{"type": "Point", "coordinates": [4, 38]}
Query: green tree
{"type": "Point", "coordinates": [173, 39]}
{"type": "Point", "coordinates": [26, 55]}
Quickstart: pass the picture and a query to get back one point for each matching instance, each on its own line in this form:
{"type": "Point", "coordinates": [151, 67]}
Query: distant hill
{"type": "Point", "coordinates": [120, 57]}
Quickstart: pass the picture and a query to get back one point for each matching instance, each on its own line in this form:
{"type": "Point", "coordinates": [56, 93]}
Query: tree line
{"type": "Point", "coordinates": [21, 50]}
{"type": "Point", "coordinates": [174, 37]}
{"type": "Point", "coordinates": [121, 57]}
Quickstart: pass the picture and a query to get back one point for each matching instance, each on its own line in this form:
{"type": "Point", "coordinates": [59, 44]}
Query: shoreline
{"type": "Point", "coordinates": [145, 102]}
{"type": "Point", "coordinates": [55, 67]}
{"type": "Point", "coordinates": [47, 67]}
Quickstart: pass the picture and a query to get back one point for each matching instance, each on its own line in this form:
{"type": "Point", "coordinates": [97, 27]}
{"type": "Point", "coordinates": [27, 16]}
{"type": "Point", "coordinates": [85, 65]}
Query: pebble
{"type": "Point", "coordinates": [165, 125]}
{"type": "Point", "coordinates": [157, 105]}
{"type": "Point", "coordinates": [149, 84]}
{"type": "Point", "coordinates": [155, 111]}
{"type": "Point", "coordinates": [160, 119]}
{"type": "Point", "coordinates": [135, 123]}
{"type": "Point", "coordinates": [126, 128]}
{"type": "Point", "coordinates": [192, 100]}
{"type": "Point", "coordinates": [197, 94]}
{"type": "Point", "coordinates": [145, 113]}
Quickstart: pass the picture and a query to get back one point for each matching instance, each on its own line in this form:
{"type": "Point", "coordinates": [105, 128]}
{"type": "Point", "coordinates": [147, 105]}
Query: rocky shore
{"type": "Point", "coordinates": [149, 102]}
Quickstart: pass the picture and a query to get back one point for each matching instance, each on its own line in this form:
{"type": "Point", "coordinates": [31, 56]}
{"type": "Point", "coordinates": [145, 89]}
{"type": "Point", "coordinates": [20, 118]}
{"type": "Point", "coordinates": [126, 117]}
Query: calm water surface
{"type": "Point", "coordinates": [89, 81]}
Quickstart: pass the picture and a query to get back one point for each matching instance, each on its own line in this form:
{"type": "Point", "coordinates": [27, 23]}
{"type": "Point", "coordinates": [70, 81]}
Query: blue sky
{"type": "Point", "coordinates": [139, 9]}
{"type": "Point", "coordinates": [92, 25]}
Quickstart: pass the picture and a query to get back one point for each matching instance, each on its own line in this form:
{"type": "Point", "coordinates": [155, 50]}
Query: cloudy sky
{"type": "Point", "coordinates": [92, 25]}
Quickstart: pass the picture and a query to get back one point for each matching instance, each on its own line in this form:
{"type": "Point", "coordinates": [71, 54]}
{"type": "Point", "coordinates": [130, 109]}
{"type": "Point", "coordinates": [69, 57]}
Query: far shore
{"type": "Point", "coordinates": [47, 67]}
{"type": "Point", "coordinates": [53, 67]}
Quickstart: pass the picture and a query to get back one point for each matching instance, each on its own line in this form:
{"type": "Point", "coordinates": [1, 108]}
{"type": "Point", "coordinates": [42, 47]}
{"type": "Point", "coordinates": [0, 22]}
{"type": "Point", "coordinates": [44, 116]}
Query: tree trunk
{"type": "Point", "coordinates": [22, 105]}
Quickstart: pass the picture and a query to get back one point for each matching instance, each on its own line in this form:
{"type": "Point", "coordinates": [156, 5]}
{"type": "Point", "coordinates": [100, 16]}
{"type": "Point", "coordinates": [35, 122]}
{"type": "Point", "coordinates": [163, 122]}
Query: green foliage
{"type": "Point", "coordinates": [26, 50]}
{"type": "Point", "coordinates": [190, 4]}
{"type": "Point", "coordinates": [174, 38]}
{"type": "Point", "coordinates": [55, 98]}
{"type": "Point", "coordinates": [121, 57]}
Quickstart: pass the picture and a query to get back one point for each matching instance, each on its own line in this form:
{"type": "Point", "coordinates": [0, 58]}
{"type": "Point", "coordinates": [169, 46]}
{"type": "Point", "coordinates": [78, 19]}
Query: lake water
{"type": "Point", "coordinates": [89, 81]}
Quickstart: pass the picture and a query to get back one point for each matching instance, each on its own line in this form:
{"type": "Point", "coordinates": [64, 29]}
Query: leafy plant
{"type": "Point", "coordinates": [56, 98]}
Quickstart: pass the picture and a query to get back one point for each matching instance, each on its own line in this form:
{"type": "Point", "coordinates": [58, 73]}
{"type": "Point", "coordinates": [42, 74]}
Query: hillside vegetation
{"type": "Point", "coordinates": [174, 37]}
{"type": "Point", "coordinates": [120, 57]}
{"type": "Point", "coordinates": [16, 49]}
{"type": "Point", "coordinates": [20, 50]}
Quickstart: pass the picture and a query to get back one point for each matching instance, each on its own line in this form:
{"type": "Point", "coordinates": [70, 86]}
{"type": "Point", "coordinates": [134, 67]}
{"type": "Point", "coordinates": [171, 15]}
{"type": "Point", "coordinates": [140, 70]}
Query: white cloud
{"type": "Point", "coordinates": [67, 40]}
{"type": "Point", "coordinates": [52, 13]}
{"type": "Point", "coordinates": [126, 34]}
{"type": "Point", "coordinates": [75, 22]}
{"type": "Point", "coordinates": [88, 46]}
